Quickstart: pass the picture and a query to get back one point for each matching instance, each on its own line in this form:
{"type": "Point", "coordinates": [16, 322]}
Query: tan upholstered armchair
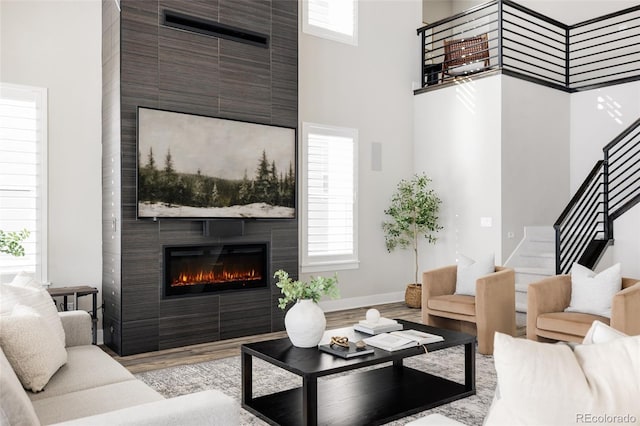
{"type": "Point", "coordinates": [491, 309]}
{"type": "Point", "coordinates": [547, 321]}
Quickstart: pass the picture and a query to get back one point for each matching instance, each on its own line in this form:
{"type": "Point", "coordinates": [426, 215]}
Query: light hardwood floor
{"type": "Point", "coordinates": [231, 347]}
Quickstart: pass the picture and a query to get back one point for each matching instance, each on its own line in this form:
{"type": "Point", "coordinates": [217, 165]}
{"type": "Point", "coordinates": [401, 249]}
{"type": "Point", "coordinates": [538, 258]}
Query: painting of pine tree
{"type": "Point", "coordinates": [195, 166]}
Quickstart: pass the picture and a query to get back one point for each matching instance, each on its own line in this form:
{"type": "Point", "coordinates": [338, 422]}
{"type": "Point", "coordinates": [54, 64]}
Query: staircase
{"type": "Point", "coordinates": [585, 227]}
{"type": "Point", "coordinates": [533, 260]}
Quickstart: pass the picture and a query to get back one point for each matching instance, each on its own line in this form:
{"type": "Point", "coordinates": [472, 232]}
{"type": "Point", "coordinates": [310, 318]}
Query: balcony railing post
{"type": "Point", "coordinates": [567, 59]}
{"type": "Point", "coordinates": [500, 9]}
{"type": "Point", "coordinates": [424, 58]}
{"type": "Point", "coordinates": [608, 234]}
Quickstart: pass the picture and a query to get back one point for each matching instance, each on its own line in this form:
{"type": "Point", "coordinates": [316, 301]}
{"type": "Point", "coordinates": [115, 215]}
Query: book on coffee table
{"type": "Point", "coordinates": [383, 325]}
{"type": "Point", "coordinates": [398, 340]}
{"type": "Point", "coordinates": [350, 352]}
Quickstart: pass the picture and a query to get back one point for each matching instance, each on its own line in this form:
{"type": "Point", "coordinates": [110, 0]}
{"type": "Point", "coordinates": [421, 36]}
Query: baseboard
{"type": "Point", "coordinates": [360, 302]}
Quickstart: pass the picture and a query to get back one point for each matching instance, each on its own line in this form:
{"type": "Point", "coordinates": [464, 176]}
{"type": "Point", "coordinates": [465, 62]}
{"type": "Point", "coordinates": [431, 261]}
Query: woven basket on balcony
{"type": "Point", "coordinates": [413, 295]}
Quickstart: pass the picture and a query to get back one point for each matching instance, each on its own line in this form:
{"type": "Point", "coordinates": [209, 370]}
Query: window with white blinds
{"type": "Point", "coordinates": [23, 176]}
{"type": "Point", "coordinates": [329, 198]}
{"type": "Point", "coordinates": [332, 19]}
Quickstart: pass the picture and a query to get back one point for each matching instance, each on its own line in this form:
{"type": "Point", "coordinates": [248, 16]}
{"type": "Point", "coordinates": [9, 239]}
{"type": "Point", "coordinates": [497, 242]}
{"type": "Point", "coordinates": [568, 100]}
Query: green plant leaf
{"type": "Point", "coordinates": [413, 213]}
{"type": "Point", "coordinates": [297, 290]}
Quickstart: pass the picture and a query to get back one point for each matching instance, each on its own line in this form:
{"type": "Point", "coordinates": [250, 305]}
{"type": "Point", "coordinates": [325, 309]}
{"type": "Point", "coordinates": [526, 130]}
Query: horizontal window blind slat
{"type": "Point", "coordinates": [22, 146]}
{"type": "Point", "coordinates": [330, 199]}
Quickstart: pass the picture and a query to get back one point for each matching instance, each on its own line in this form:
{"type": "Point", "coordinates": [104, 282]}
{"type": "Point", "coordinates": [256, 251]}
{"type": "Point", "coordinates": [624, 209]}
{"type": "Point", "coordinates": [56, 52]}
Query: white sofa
{"type": "Point", "coordinates": [91, 388]}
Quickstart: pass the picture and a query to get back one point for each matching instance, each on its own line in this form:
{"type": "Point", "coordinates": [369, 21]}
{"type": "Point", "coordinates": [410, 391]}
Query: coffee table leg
{"type": "Point", "coordinates": [310, 400]}
{"type": "Point", "coordinates": [247, 378]}
{"type": "Point", "coordinates": [470, 367]}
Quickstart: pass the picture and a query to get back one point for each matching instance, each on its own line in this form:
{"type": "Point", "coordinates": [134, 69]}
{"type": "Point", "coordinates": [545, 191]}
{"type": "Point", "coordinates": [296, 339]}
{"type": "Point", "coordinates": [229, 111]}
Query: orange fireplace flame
{"type": "Point", "coordinates": [214, 277]}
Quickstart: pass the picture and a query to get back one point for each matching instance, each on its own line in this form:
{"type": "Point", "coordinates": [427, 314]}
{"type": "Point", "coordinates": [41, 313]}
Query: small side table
{"type": "Point", "coordinates": [79, 291]}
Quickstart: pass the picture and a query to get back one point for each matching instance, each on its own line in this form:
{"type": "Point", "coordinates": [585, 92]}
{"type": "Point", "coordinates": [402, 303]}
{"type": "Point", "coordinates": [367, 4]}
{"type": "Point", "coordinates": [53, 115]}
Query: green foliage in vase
{"type": "Point", "coordinates": [10, 242]}
{"type": "Point", "coordinates": [297, 290]}
{"type": "Point", "coordinates": [414, 213]}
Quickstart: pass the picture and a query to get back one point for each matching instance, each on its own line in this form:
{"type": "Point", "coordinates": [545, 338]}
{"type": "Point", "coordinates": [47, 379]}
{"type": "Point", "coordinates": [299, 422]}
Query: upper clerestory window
{"type": "Point", "coordinates": [331, 19]}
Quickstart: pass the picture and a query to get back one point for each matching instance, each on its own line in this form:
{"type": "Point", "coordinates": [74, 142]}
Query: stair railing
{"type": "Point", "coordinates": [585, 227]}
{"type": "Point", "coordinates": [582, 220]}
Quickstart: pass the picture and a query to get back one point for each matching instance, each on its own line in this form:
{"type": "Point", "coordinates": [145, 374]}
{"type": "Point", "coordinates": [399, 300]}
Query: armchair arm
{"type": "Point", "coordinates": [77, 327]}
{"type": "Point", "coordinates": [625, 310]}
{"type": "Point", "coordinates": [552, 294]}
{"type": "Point", "coordinates": [210, 407]}
{"type": "Point", "coordinates": [496, 292]}
{"type": "Point", "coordinates": [495, 306]}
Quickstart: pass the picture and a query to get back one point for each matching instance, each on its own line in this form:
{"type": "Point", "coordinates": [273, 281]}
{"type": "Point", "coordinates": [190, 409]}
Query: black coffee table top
{"type": "Point", "coordinates": [311, 361]}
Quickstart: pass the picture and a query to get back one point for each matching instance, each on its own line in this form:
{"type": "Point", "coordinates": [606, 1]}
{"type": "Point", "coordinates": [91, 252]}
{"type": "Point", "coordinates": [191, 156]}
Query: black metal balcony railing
{"type": "Point", "coordinates": [529, 45]}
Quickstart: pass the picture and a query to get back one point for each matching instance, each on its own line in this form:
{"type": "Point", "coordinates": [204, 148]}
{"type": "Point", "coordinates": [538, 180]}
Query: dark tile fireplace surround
{"type": "Point", "coordinates": [146, 63]}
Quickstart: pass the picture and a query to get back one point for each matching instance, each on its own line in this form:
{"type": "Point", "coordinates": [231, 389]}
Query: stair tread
{"type": "Point", "coordinates": [545, 255]}
{"type": "Point", "coordinates": [521, 287]}
{"type": "Point", "coordinates": [521, 307]}
{"type": "Point", "coordinates": [534, 271]}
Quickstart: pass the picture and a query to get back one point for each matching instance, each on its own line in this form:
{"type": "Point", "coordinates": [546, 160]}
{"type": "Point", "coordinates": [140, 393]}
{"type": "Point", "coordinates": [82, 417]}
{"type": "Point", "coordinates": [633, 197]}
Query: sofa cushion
{"type": "Point", "coordinates": [33, 351]}
{"type": "Point", "coordinates": [459, 304]}
{"type": "Point", "coordinates": [593, 293]}
{"type": "Point", "coordinates": [96, 400]}
{"type": "Point", "coordinates": [30, 292]}
{"type": "Point", "coordinates": [469, 270]}
{"type": "Point", "coordinates": [551, 384]}
{"type": "Point", "coordinates": [574, 323]}
{"type": "Point", "coordinates": [87, 367]}
{"type": "Point", "coordinates": [15, 407]}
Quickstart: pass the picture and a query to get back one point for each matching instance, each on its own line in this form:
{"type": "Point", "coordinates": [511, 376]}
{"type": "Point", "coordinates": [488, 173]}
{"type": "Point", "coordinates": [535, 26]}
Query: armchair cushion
{"type": "Point", "coordinates": [593, 293]}
{"type": "Point", "coordinates": [459, 304]}
{"type": "Point", "coordinates": [574, 323]}
{"type": "Point", "coordinates": [470, 270]}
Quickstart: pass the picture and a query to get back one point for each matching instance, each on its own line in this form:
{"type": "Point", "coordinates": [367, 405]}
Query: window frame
{"type": "Point", "coordinates": [328, 262]}
{"type": "Point", "coordinates": [40, 234]}
{"type": "Point", "coordinates": [326, 33]}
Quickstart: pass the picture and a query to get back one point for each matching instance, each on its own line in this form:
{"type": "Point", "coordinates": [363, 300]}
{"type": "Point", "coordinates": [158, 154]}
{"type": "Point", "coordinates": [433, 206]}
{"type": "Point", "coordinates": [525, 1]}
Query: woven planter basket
{"type": "Point", "coordinates": [413, 295]}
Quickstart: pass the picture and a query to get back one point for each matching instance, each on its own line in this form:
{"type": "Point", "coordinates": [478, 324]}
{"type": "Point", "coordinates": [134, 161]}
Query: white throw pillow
{"type": "Point", "coordinates": [469, 270]}
{"type": "Point", "coordinates": [612, 370]}
{"type": "Point", "coordinates": [24, 279]}
{"type": "Point", "coordinates": [33, 350]}
{"type": "Point", "coordinates": [593, 293]}
{"type": "Point", "coordinates": [36, 297]}
{"type": "Point", "coordinates": [601, 333]}
{"type": "Point", "coordinates": [549, 384]}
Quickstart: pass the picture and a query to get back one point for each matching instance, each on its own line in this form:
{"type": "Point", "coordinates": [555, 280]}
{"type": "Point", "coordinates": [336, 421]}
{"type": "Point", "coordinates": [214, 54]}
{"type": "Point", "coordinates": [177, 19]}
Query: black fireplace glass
{"type": "Point", "coordinates": [191, 270]}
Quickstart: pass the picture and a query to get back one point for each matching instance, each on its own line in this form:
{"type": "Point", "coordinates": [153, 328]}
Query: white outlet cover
{"type": "Point", "coordinates": [486, 222]}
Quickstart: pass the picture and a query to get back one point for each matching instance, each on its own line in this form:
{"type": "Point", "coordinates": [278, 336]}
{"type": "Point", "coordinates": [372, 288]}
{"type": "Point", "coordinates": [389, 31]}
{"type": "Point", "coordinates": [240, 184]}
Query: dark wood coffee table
{"type": "Point", "coordinates": [373, 396]}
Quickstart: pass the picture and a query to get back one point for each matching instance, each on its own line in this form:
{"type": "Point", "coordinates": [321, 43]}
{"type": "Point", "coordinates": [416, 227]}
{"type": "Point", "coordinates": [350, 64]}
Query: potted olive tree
{"type": "Point", "coordinates": [413, 214]}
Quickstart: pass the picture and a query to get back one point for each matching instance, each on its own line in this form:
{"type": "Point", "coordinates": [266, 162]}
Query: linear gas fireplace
{"type": "Point", "coordinates": [191, 270]}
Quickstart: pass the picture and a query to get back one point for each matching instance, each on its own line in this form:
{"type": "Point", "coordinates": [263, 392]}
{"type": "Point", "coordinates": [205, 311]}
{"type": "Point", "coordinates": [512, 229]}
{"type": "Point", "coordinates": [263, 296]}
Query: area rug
{"type": "Point", "coordinates": [225, 375]}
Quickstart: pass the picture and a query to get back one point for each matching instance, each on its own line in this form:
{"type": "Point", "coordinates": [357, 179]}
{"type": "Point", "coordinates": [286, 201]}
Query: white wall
{"type": "Point", "coordinates": [458, 144]}
{"type": "Point", "coordinates": [574, 11]}
{"type": "Point", "coordinates": [57, 45]}
{"type": "Point", "coordinates": [535, 157]}
{"type": "Point", "coordinates": [369, 87]}
{"type": "Point", "coordinates": [597, 116]}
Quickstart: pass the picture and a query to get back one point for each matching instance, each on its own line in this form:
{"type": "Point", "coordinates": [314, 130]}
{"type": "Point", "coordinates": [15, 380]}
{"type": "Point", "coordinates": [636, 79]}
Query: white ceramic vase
{"type": "Point", "coordinates": [305, 323]}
